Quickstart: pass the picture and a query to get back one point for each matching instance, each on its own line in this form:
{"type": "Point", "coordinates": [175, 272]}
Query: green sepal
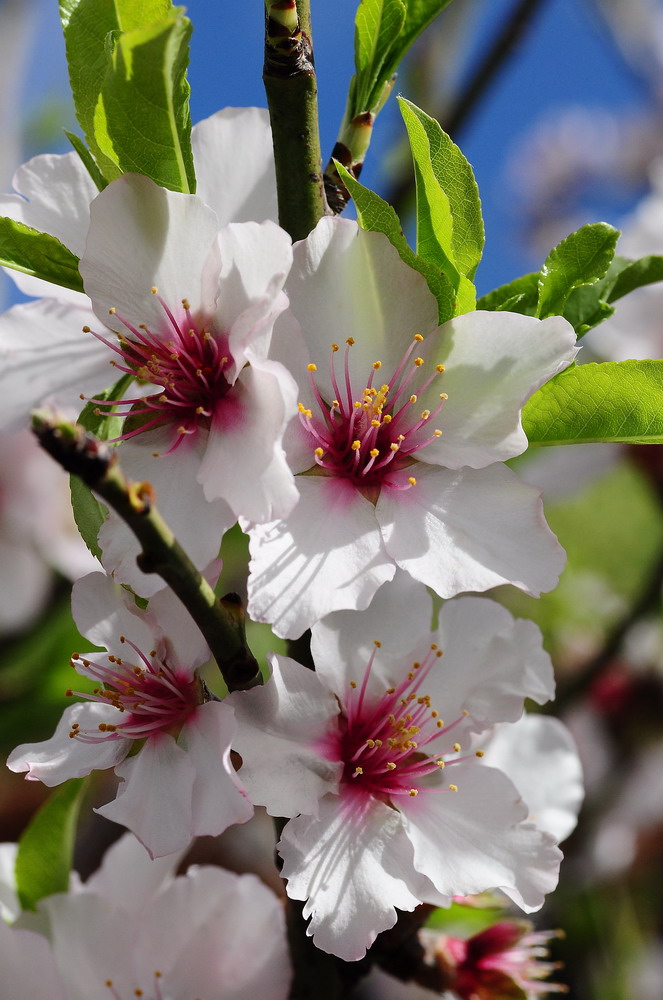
{"type": "Point", "coordinates": [41, 255]}
{"type": "Point", "coordinates": [46, 848]}
{"type": "Point", "coordinates": [617, 401]}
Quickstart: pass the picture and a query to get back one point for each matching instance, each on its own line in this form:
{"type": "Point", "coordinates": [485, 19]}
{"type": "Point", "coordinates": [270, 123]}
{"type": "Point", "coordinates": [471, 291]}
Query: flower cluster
{"type": "Point", "coordinates": [310, 394]}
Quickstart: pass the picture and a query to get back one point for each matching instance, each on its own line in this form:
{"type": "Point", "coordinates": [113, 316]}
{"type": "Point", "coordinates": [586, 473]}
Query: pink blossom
{"type": "Point", "coordinates": [149, 719]}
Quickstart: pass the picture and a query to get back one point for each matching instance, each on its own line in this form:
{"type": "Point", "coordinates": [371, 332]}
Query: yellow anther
{"type": "Point", "coordinates": [358, 770]}
{"type": "Point", "coordinates": [377, 643]}
{"type": "Point", "coordinates": [353, 684]}
{"type": "Point", "coordinates": [418, 338]}
{"type": "Point", "coordinates": [356, 445]}
{"type": "Point", "coordinates": [418, 362]}
{"type": "Point", "coordinates": [393, 446]}
{"type": "Point", "coordinates": [375, 423]}
{"type": "Point", "coordinates": [335, 348]}
{"type": "Point", "coordinates": [390, 690]}
{"type": "Point", "coordinates": [413, 792]}
{"type": "Point", "coordinates": [350, 341]}
{"type": "Point", "coordinates": [319, 452]}
{"type": "Point", "coordinates": [335, 404]}
{"type": "Point", "coordinates": [186, 304]}
{"type": "Point", "coordinates": [478, 753]}
{"type": "Point", "coordinates": [453, 788]}
{"type": "Point", "coordinates": [112, 311]}
{"type": "Point", "coordinates": [412, 481]}
{"type": "Point", "coordinates": [370, 744]}
{"type": "Point", "coordinates": [437, 433]}
{"type": "Point", "coordinates": [444, 395]}
{"type": "Point", "coordinates": [413, 398]}
{"type": "Point", "coordinates": [374, 452]}
{"type": "Point", "coordinates": [311, 368]}
{"type": "Point", "coordinates": [440, 764]}
{"type": "Point", "coordinates": [456, 747]}
{"type": "Point", "coordinates": [425, 414]}
{"type": "Point", "coordinates": [377, 365]}
{"type": "Point", "coordinates": [391, 766]}
{"type": "Point", "coordinates": [357, 405]}
{"type": "Point", "coordinates": [465, 712]}
{"type": "Point", "coordinates": [433, 645]}
{"type": "Point", "coordinates": [439, 653]}
{"type": "Point", "coordinates": [387, 418]}
{"type": "Point", "coordinates": [154, 289]}
{"type": "Point", "coordinates": [378, 743]}
{"type": "Point", "coordinates": [439, 368]}
{"type": "Point", "coordinates": [440, 724]}
{"type": "Point", "coordinates": [86, 329]}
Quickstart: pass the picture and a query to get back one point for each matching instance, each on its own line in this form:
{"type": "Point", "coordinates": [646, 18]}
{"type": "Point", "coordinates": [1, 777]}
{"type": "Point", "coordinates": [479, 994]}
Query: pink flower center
{"type": "Point", "coordinates": [372, 440]}
{"type": "Point", "coordinates": [386, 745]}
{"type": "Point", "coordinates": [151, 697]}
{"type": "Point", "coordinates": [189, 361]}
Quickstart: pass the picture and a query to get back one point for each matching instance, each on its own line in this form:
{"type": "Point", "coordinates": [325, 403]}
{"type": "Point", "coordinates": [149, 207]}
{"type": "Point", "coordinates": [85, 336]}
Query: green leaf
{"type": "Point", "coordinates": [580, 259]}
{"type": "Point", "coordinates": [523, 291]}
{"type": "Point", "coordinates": [45, 850]}
{"type": "Point", "coordinates": [25, 249]}
{"type": "Point", "coordinates": [384, 32]}
{"type": "Point", "coordinates": [627, 275]}
{"type": "Point", "coordinates": [585, 308]}
{"type": "Point", "coordinates": [142, 120]}
{"type": "Point", "coordinates": [615, 401]}
{"type": "Point", "coordinates": [89, 513]}
{"type": "Point", "coordinates": [449, 223]}
{"type": "Point", "coordinates": [152, 36]}
{"type": "Point", "coordinates": [377, 215]}
{"type": "Point", "coordinates": [377, 26]}
{"type": "Point", "coordinates": [88, 160]}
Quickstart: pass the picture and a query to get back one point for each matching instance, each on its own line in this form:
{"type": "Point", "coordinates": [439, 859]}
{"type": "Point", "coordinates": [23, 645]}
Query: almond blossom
{"type": "Point", "coordinates": [373, 759]}
{"type": "Point", "coordinates": [150, 719]}
{"type": "Point", "coordinates": [403, 428]}
{"type": "Point", "coordinates": [180, 299]}
{"type": "Point", "coordinates": [134, 929]}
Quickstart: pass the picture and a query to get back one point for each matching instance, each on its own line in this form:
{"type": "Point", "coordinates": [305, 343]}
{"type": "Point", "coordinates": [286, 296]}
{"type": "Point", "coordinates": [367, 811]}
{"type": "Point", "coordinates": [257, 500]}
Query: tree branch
{"type": "Point", "coordinates": [221, 622]}
{"type": "Point", "coordinates": [292, 99]}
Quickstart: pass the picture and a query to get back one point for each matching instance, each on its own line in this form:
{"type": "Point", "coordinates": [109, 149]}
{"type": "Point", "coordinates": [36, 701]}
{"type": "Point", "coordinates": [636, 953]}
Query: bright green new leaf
{"type": "Point", "coordinates": [377, 26]}
{"type": "Point", "coordinates": [45, 851]}
{"type": "Point", "coordinates": [449, 222]}
{"type": "Point", "coordinates": [615, 401]}
{"type": "Point", "coordinates": [384, 33]}
{"type": "Point", "coordinates": [626, 275]}
{"type": "Point", "coordinates": [580, 259]}
{"type": "Point", "coordinates": [142, 118]}
{"type": "Point", "coordinates": [39, 254]}
{"type": "Point", "coordinates": [89, 513]}
{"type": "Point", "coordinates": [87, 160]}
{"type": "Point", "coordinates": [377, 215]}
{"type": "Point", "coordinates": [151, 67]}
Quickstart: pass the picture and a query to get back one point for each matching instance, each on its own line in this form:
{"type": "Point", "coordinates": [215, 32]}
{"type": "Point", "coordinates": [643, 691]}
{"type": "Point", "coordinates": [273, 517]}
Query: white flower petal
{"type": "Point", "coordinates": [45, 356]}
{"type": "Point", "coordinates": [352, 865]}
{"type": "Point", "coordinates": [494, 362]}
{"type": "Point", "coordinates": [470, 530]}
{"type": "Point", "coordinates": [280, 726]}
{"type": "Point", "coordinates": [244, 462]}
{"type": "Point", "coordinates": [234, 161]}
{"type": "Point", "coordinates": [254, 262]}
{"type": "Point", "coordinates": [128, 878]}
{"type": "Point", "coordinates": [142, 235]}
{"type": "Point", "coordinates": [474, 839]}
{"type": "Point", "coordinates": [539, 754]}
{"type": "Point", "coordinates": [327, 555]}
{"type": "Point", "coordinates": [398, 617]}
{"type": "Point", "coordinates": [347, 282]}
{"type": "Point", "coordinates": [59, 758]}
{"type": "Point", "coordinates": [155, 799]}
{"type": "Point", "coordinates": [9, 904]}
{"type": "Point", "coordinates": [218, 799]}
{"type": "Point", "coordinates": [491, 662]}
{"type": "Point", "coordinates": [216, 934]}
{"type": "Point", "coordinates": [28, 967]}
{"type": "Point", "coordinates": [102, 612]}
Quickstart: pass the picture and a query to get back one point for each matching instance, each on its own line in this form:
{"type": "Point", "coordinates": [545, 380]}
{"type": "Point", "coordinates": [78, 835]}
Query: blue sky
{"type": "Point", "coordinates": [565, 60]}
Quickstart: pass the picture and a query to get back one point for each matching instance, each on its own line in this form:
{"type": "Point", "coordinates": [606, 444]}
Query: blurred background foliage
{"type": "Point", "coordinates": [559, 106]}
